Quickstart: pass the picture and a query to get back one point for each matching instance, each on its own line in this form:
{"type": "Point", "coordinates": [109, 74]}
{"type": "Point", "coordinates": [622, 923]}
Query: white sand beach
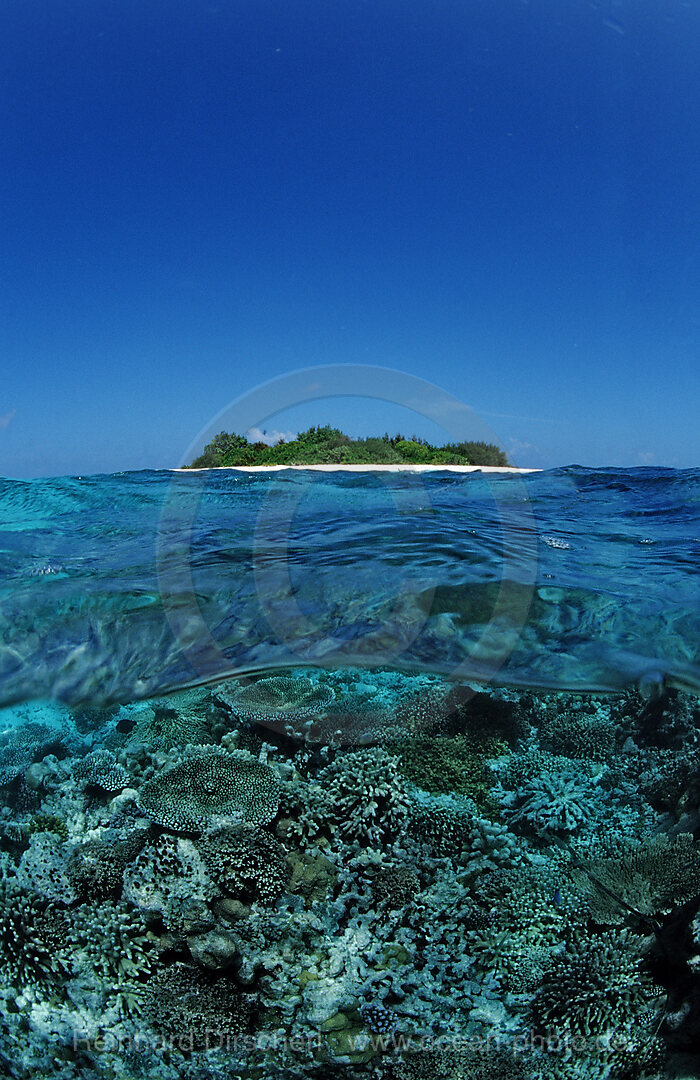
{"type": "Point", "coordinates": [369, 468]}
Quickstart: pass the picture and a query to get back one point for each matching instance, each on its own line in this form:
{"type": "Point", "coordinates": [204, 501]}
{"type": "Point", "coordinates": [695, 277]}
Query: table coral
{"type": "Point", "coordinates": [211, 784]}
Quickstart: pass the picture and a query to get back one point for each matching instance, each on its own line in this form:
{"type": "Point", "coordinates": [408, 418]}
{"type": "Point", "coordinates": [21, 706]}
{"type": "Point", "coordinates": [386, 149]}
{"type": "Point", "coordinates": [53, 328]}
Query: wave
{"type": "Point", "coordinates": [119, 587]}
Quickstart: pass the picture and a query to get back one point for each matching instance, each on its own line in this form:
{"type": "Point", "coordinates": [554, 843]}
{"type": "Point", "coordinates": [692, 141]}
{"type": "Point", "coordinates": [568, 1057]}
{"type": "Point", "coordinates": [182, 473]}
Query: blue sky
{"type": "Point", "coordinates": [500, 197]}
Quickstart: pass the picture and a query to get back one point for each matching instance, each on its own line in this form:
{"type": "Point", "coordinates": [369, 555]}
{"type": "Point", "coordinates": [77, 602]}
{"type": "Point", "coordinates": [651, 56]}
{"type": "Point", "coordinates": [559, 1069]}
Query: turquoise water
{"type": "Point", "coordinates": [116, 587]}
{"type": "Point", "coordinates": [359, 775]}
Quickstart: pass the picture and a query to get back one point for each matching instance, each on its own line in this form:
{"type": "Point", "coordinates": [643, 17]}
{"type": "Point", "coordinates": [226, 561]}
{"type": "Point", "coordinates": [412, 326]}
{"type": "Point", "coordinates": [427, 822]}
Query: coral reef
{"type": "Point", "coordinates": [507, 886]}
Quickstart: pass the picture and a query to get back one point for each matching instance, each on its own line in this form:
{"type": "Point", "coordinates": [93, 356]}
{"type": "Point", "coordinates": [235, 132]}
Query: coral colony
{"type": "Point", "coordinates": [351, 874]}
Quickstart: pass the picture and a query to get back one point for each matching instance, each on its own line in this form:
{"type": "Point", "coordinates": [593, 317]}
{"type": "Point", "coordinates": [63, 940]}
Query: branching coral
{"type": "Point", "coordinates": [101, 769]}
{"type": "Point", "coordinates": [650, 876]}
{"type": "Point", "coordinates": [246, 861]}
{"type": "Point", "coordinates": [366, 797]}
{"type": "Point", "coordinates": [599, 989]}
{"type": "Point", "coordinates": [554, 802]}
{"type": "Point", "coordinates": [32, 938]}
{"type": "Point", "coordinates": [111, 941]}
{"type": "Point", "coordinates": [195, 1010]}
{"type": "Point", "coordinates": [211, 785]}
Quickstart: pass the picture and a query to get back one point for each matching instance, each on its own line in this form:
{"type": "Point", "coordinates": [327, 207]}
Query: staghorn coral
{"type": "Point", "coordinates": [532, 897]}
{"type": "Point", "coordinates": [359, 797]}
{"type": "Point", "coordinates": [526, 913]}
{"type": "Point", "coordinates": [210, 785]}
{"type": "Point", "coordinates": [451, 828]}
{"type": "Point", "coordinates": [443, 825]}
{"type": "Point", "coordinates": [365, 796]}
{"type": "Point", "coordinates": [32, 937]}
{"type": "Point", "coordinates": [102, 770]}
{"type": "Point", "coordinates": [110, 942]}
{"type": "Point", "coordinates": [485, 922]}
{"type": "Point", "coordinates": [554, 802]}
{"type": "Point", "coordinates": [246, 861]}
{"type": "Point", "coordinates": [516, 957]}
{"type": "Point", "coordinates": [596, 986]}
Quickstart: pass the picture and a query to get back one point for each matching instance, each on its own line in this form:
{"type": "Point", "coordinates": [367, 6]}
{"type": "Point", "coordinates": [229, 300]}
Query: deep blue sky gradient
{"type": "Point", "coordinates": [501, 197]}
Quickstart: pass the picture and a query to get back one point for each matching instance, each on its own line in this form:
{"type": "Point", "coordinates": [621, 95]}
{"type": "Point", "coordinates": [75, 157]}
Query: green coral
{"type": "Point", "coordinates": [42, 822]}
{"type": "Point", "coordinates": [454, 765]}
{"type": "Point", "coordinates": [310, 876]}
{"type": "Point", "coordinates": [208, 785]}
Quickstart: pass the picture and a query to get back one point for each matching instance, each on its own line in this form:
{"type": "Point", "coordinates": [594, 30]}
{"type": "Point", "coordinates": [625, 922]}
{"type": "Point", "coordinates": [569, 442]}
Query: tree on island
{"type": "Point", "coordinates": [329, 446]}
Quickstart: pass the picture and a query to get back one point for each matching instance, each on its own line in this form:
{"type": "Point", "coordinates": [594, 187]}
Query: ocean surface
{"type": "Point", "coordinates": [117, 587]}
{"type": "Point", "coordinates": [316, 775]}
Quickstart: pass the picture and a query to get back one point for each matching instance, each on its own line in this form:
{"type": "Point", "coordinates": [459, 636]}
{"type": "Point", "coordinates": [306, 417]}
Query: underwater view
{"type": "Point", "coordinates": [389, 776]}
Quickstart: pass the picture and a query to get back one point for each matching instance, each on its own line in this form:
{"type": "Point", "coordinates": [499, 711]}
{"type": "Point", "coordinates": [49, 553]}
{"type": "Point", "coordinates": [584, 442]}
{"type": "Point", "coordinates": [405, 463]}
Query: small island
{"type": "Point", "coordinates": [330, 446]}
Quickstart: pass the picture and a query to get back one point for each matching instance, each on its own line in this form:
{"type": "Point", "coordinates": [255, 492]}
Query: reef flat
{"type": "Point", "coordinates": [357, 874]}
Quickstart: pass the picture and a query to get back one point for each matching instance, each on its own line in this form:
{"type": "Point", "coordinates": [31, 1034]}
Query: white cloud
{"type": "Point", "coordinates": [255, 434]}
{"type": "Point", "coordinates": [646, 457]}
{"type": "Point", "coordinates": [6, 420]}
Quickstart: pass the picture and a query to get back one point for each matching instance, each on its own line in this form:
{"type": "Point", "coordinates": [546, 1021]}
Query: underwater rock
{"type": "Point", "coordinates": [43, 868]}
{"type": "Point", "coordinates": [169, 878]}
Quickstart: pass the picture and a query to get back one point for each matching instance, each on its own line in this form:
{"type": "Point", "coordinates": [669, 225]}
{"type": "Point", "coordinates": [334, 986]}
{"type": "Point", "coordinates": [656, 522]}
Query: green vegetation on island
{"type": "Point", "coordinates": [329, 446]}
